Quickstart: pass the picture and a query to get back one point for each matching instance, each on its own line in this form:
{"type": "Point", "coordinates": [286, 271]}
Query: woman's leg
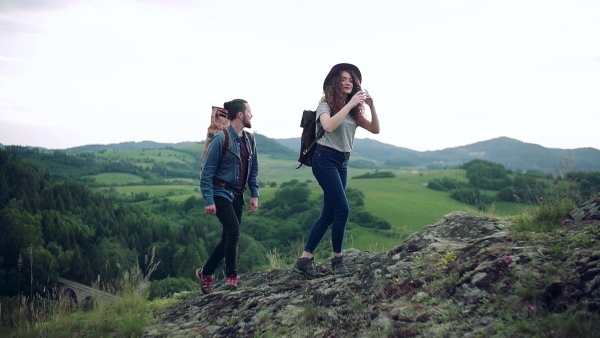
{"type": "Point", "coordinates": [330, 170]}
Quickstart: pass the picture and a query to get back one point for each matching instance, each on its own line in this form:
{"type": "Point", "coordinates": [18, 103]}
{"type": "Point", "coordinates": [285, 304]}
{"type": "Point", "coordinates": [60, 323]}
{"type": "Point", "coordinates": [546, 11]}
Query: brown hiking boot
{"type": "Point", "coordinates": [306, 266]}
{"type": "Point", "coordinates": [339, 267]}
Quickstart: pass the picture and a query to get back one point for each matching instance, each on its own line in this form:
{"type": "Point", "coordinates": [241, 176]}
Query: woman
{"type": "Point", "coordinates": [339, 113]}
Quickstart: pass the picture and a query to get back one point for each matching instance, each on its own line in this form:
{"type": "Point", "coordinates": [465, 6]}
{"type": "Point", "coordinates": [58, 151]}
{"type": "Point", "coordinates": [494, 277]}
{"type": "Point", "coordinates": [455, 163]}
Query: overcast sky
{"type": "Point", "coordinates": [442, 73]}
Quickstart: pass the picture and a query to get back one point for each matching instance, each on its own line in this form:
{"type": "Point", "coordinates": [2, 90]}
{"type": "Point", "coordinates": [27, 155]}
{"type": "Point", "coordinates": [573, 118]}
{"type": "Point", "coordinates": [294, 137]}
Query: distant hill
{"type": "Point", "coordinates": [265, 144]}
{"type": "Point", "coordinates": [514, 154]}
{"type": "Point", "coordinates": [367, 148]}
{"type": "Point", "coordinates": [511, 153]}
{"type": "Point", "coordinates": [126, 146]}
{"type": "Point", "coordinates": [274, 148]}
{"type": "Point", "coordinates": [368, 153]}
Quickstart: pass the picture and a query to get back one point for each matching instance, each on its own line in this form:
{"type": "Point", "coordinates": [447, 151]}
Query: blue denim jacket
{"type": "Point", "coordinates": [227, 168]}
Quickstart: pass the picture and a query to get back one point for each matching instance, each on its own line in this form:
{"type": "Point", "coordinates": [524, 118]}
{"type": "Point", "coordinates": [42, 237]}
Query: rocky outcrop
{"type": "Point", "coordinates": [461, 276]}
{"type": "Point", "coordinates": [589, 211]}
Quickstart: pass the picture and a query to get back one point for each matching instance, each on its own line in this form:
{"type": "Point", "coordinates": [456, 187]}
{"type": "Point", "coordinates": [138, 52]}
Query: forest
{"type": "Point", "coordinates": [52, 225]}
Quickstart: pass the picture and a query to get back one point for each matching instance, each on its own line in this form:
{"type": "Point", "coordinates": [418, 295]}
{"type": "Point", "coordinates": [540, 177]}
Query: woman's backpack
{"type": "Point", "coordinates": [311, 132]}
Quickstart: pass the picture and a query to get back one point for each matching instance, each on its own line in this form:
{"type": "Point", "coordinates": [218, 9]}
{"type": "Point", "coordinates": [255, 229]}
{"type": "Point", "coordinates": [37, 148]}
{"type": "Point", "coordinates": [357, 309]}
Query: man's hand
{"type": "Point", "coordinates": [211, 209]}
{"type": "Point", "coordinates": [253, 205]}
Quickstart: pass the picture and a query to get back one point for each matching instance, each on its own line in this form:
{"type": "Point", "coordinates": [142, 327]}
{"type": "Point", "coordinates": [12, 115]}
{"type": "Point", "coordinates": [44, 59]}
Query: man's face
{"type": "Point", "coordinates": [247, 117]}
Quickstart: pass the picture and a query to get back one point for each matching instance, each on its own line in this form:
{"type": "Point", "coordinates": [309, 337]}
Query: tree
{"type": "Point", "coordinates": [18, 230]}
{"type": "Point", "coordinates": [4, 196]}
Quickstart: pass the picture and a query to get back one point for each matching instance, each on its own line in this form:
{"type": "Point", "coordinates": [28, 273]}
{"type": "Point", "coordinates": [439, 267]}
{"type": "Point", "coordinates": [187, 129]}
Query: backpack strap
{"type": "Point", "coordinates": [251, 139]}
{"type": "Point", "coordinates": [226, 142]}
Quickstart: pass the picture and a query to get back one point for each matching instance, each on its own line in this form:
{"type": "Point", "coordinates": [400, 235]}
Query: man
{"type": "Point", "coordinates": [223, 182]}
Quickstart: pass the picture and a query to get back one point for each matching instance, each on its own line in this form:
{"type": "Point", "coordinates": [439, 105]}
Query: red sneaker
{"type": "Point", "coordinates": [206, 282]}
{"type": "Point", "coordinates": [231, 282]}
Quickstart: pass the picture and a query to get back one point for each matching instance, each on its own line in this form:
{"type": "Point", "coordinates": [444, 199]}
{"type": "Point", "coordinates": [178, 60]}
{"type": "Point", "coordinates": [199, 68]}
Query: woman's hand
{"type": "Point", "coordinates": [368, 98]}
{"type": "Point", "coordinates": [358, 98]}
{"type": "Point", "coordinates": [373, 125]}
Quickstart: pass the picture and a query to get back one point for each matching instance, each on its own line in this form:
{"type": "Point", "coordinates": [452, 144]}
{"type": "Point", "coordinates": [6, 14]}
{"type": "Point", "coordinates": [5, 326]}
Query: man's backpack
{"type": "Point", "coordinates": [219, 121]}
{"type": "Point", "coordinates": [309, 138]}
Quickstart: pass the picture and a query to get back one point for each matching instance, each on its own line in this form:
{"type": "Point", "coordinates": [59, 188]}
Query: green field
{"type": "Point", "coordinates": [190, 181]}
{"type": "Point", "coordinates": [280, 171]}
{"type": "Point", "coordinates": [155, 191]}
{"type": "Point", "coordinates": [115, 178]}
{"type": "Point", "coordinates": [404, 200]}
{"type": "Point", "coordinates": [158, 155]}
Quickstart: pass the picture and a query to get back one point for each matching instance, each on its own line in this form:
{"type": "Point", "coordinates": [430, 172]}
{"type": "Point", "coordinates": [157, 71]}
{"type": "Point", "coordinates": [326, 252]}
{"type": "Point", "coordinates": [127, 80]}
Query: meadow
{"type": "Point", "coordinates": [158, 155]}
{"type": "Point", "coordinates": [404, 200]}
{"type": "Point", "coordinates": [115, 178]}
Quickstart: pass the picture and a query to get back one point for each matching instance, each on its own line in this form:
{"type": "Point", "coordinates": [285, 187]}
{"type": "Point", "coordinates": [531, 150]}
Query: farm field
{"type": "Point", "coordinates": [154, 191]}
{"type": "Point", "coordinates": [404, 201]}
{"type": "Point", "coordinates": [115, 178]}
{"type": "Point", "coordinates": [158, 155]}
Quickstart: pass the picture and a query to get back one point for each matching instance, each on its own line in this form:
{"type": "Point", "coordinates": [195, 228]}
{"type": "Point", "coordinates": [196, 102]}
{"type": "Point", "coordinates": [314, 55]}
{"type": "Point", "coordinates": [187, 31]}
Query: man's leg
{"type": "Point", "coordinates": [230, 215]}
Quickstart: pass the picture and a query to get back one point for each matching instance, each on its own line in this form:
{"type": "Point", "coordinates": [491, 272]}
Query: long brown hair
{"type": "Point", "coordinates": [335, 97]}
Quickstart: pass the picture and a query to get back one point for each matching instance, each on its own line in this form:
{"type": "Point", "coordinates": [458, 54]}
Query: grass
{"type": "Point", "coordinates": [404, 200]}
{"type": "Point", "coordinates": [158, 155]}
{"type": "Point", "coordinates": [374, 240]}
{"type": "Point", "coordinates": [128, 317]}
{"type": "Point", "coordinates": [275, 259]}
{"type": "Point", "coordinates": [154, 191]}
{"type": "Point", "coordinates": [310, 313]}
{"type": "Point", "coordinates": [547, 216]}
{"type": "Point", "coordinates": [115, 178]}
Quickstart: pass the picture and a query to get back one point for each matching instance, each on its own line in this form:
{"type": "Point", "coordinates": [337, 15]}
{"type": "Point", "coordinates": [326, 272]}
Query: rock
{"type": "Point", "coordinates": [439, 281]}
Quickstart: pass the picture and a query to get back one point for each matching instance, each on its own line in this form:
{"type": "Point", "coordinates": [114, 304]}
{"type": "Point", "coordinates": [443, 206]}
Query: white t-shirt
{"type": "Point", "coordinates": [342, 138]}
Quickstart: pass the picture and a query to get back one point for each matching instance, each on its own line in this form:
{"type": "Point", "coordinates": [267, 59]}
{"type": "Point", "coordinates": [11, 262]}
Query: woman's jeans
{"type": "Point", "coordinates": [330, 168]}
{"type": "Point", "coordinates": [230, 215]}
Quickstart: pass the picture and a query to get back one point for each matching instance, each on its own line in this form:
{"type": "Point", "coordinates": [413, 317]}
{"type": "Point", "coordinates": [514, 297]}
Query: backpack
{"type": "Point", "coordinates": [309, 137]}
{"type": "Point", "coordinates": [219, 121]}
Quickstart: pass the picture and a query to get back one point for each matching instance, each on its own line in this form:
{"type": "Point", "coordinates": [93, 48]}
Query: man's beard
{"type": "Point", "coordinates": [246, 123]}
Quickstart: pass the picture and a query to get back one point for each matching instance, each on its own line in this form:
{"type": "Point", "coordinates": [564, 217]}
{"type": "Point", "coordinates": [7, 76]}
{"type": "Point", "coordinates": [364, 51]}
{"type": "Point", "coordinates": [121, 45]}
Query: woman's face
{"type": "Point", "coordinates": [347, 83]}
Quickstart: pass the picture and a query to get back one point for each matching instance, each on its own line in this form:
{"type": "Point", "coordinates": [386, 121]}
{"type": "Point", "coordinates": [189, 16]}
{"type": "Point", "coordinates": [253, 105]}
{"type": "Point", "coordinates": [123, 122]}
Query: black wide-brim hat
{"type": "Point", "coordinates": [337, 68]}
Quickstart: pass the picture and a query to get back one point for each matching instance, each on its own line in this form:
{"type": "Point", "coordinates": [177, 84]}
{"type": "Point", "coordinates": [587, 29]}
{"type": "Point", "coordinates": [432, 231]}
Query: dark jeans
{"type": "Point", "coordinates": [330, 168]}
{"type": "Point", "coordinates": [230, 215]}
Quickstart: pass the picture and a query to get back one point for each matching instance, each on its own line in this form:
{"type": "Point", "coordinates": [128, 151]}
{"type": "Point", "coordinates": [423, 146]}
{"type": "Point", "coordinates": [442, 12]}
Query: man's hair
{"type": "Point", "coordinates": [233, 107]}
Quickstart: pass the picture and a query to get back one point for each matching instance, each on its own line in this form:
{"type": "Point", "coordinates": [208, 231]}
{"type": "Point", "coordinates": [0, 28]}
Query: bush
{"type": "Point", "coordinates": [467, 195]}
{"type": "Point", "coordinates": [169, 286]}
{"type": "Point", "coordinates": [436, 185]}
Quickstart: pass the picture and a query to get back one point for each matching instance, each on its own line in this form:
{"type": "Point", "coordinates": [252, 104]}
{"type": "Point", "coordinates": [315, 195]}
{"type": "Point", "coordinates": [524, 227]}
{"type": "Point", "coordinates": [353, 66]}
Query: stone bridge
{"type": "Point", "coordinates": [82, 295]}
